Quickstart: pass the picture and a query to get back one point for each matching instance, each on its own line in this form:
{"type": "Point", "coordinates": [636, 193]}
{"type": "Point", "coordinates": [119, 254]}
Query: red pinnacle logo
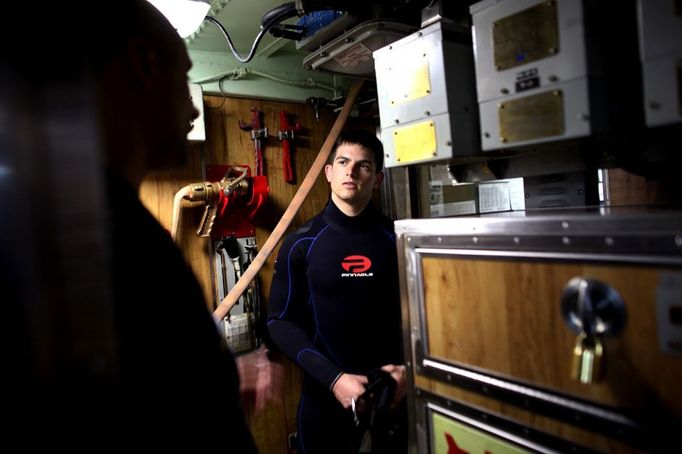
{"type": "Point", "coordinates": [356, 264]}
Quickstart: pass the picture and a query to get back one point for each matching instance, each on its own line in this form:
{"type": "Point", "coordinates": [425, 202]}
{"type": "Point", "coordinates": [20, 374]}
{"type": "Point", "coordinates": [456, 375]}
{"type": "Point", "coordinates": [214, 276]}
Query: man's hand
{"type": "Point", "coordinates": [400, 376]}
{"type": "Point", "coordinates": [260, 380]}
{"type": "Point", "coordinates": [348, 387]}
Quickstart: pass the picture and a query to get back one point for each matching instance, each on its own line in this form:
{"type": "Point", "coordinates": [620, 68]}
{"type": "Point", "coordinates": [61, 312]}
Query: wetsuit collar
{"type": "Point", "coordinates": [332, 215]}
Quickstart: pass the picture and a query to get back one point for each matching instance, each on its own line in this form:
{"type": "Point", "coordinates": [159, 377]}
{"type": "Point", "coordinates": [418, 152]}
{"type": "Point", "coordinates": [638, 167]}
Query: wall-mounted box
{"type": "Point", "coordinates": [552, 70]}
{"type": "Point", "coordinates": [198, 132]}
{"type": "Point", "coordinates": [660, 42]}
{"type": "Point", "coordinates": [426, 92]}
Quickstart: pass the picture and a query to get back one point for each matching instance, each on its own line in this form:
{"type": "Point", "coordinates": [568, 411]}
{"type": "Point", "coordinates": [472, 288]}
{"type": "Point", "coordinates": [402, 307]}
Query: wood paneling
{"type": "Point", "coordinates": [504, 316]}
{"type": "Point", "coordinates": [157, 192]}
{"type": "Point", "coordinates": [227, 144]}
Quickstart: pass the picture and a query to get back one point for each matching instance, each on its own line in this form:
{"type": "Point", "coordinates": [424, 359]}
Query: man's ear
{"type": "Point", "coordinates": [328, 172]}
{"type": "Point", "coordinates": [379, 179]}
{"type": "Point", "coordinates": [142, 61]}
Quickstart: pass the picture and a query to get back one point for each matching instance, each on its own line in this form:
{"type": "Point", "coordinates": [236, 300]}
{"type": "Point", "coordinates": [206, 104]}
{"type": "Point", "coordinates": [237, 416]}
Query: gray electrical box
{"type": "Point", "coordinates": [427, 99]}
{"type": "Point", "coordinates": [542, 67]}
{"type": "Point", "coordinates": [660, 43]}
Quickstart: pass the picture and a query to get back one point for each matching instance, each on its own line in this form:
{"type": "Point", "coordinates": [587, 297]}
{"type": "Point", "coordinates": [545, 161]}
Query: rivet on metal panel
{"type": "Point", "coordinates": [564, 225]}
{"type": "Point", "coordinates": [420, 34]}
{"type": "Point", "coordinates": [387, 155]}
{"type": "Point", "coordinates": [408, 363]}
{"type": "Point", "coordinates": [424, 54]}
{"type": "Point", "coordinates": [449, 377]}
{"type": "Point", "coordinates": [449, 403]}
{"type": "Point", "coordinates": [581, 191]}
{"type": "Point", "coordinates": [486, 135]}
{"type": "Point", "coordinates": [418, 392]}
{"type": "Point", "coordinates": [678, 240]}
{"type": "Point", "coordinates": [583, 116]}
{"type": "Point", "coordinates": [448, 143]}
{"type": "Point", "coordinates": [609, 241]}
{"type": "Point", "coordinates": [517, 240]}
{"type": "Point", "coordinates": [427, 113]}
{"type": "Point", "coordinates": [566, 240]}
{"type": "Point", "coordinates": [428, 91]}
{"type": "Point", "coordinates": [439, 239]}
{"type": "Point", "coordinates": [409, 239]}
{"type": "Point", "coordinates": [485, 389]}
{"type": "Point", "coordinates": [552, 78]}
{"type": "Point", "coordinates": [396, 122]}
{"type": "Point", "coordinates": [504, 91]}
{"type": "Point", "coordinates": [475, 240]}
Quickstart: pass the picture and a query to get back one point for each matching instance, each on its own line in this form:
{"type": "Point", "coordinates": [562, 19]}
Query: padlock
{"type": "Point", "coordinates": [587, 359]}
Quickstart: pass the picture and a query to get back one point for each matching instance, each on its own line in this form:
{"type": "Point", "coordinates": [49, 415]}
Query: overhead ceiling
{"type": "Point", "coordinates": [241, 19]}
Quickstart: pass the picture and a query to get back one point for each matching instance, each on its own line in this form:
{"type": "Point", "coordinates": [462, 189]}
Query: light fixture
{"type": "Point", "coordinates": [184, 15]}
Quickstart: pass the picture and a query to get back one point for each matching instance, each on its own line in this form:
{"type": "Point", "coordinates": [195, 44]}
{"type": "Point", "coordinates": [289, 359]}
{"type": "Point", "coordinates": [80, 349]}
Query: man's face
{"type": "Point", "coordinates": [352, 175]}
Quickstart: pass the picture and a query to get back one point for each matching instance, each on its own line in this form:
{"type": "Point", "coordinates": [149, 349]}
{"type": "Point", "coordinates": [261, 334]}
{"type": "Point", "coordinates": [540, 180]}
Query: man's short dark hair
{"type": "Point", "coordinates": [366, 140]}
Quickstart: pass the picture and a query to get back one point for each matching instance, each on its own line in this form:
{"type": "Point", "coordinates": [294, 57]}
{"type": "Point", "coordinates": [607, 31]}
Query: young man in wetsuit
{"type": "Point", "coordinates": [334, 305]}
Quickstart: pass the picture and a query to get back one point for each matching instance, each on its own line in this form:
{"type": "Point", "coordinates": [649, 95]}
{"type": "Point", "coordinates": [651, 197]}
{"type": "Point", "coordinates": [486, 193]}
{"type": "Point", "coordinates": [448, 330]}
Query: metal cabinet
{"type": "Point", "coordinates": [556, 332]}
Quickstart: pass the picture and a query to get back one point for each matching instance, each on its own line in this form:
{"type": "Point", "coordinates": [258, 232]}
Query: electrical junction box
{"type": "Point", "coordinates": [660, 45]}
{"type": "Point", "coordinates": [552, 70]}
{"type": "Point", "coordinates": [198, 132]}
{"type": "Point", "coordinates": [426, 92]}
{"type": "Point", "coordinates": [351, 52]}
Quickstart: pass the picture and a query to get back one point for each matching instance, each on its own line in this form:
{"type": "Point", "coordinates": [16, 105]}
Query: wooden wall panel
{"type": "Point", "coordinates": [227, 144]}
{"type": "Point", "coordinates": [157, 192]}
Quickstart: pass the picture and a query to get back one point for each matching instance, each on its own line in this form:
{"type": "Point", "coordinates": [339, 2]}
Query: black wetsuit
{"type": "Point", "coordinates": [335, 307]}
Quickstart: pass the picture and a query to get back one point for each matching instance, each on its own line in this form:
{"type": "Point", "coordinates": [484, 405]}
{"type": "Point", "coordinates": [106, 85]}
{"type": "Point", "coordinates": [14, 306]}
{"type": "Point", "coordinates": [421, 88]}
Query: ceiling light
{"type": "Point", "coordinates": [184, 15]}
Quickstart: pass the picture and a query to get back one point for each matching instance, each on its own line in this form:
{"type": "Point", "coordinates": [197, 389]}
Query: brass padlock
{"type": "Point", "coordinates": [587, 359]}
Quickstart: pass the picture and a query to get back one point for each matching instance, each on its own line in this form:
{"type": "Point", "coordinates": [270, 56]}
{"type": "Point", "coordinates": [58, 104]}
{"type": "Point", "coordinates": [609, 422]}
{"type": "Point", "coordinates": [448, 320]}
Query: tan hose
{"type": "Point", "coordinates": [241, 285]}
{"type": "Point", "coordinates": [177, 207]}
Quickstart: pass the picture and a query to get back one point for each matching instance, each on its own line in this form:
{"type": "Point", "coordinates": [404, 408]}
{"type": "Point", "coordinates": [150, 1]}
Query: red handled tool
{"type": "Point", "coordinates": [286, 135]}
{"type": "Point", "coordinates": [258, 133]}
